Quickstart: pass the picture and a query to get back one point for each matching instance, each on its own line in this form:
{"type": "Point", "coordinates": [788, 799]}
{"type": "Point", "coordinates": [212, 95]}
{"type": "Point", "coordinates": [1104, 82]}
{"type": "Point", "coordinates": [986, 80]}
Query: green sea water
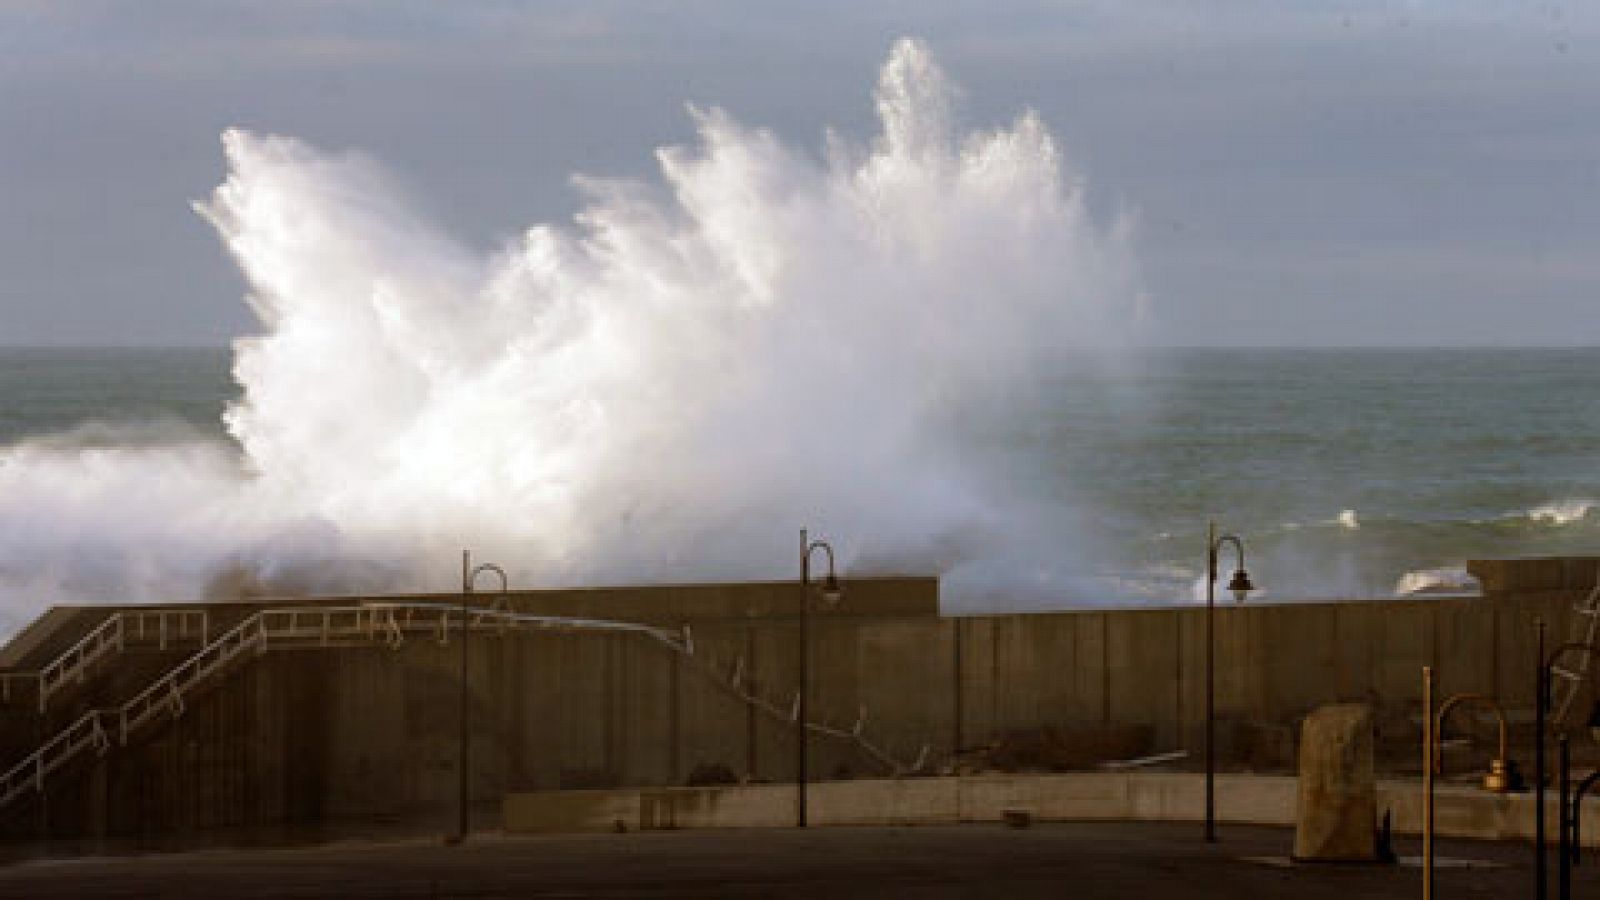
{"type": "Point", "coordinates": [49, 390]}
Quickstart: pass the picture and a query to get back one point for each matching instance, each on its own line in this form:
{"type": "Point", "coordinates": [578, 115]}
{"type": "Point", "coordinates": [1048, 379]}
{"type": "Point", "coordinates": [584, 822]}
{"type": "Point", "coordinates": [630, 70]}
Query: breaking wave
{"type": "Point", "coordinates": [667, 389]}
{"type": "Point", "coordinates": [1561, 512]}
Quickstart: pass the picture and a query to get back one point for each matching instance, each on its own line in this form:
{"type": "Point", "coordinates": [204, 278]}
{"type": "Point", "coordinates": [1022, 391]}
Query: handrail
{"type": "Point", "coordinates": [112, 635]}
{"type": "Point", "coordinates": [373, 622]}
{"type": "Point", "coordinates": [75, 659]}
{"type": "Point", "coordinates": [731, 685]}
{"type": "Point", "coordinates": [167, 691]}
{"type": "Point", "coordinates": [88, 730]}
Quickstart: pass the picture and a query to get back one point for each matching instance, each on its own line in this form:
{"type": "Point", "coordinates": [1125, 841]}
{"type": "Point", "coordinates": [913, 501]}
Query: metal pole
{"type": "Point", "coordinates": [1576, 804]}
{"type": "Point", "coordinates": [1428, 740]}
{"type": "Point", "coordinates": [463, 800]}
{"type": "Point", "coordinates": [805, 678]}
{"type": "Point", "coordinates": [1541, 699]}
{"type": "Point", "coordinates": [1564, 843]}
{"type": "Point", "coordinates": [1211, 743]}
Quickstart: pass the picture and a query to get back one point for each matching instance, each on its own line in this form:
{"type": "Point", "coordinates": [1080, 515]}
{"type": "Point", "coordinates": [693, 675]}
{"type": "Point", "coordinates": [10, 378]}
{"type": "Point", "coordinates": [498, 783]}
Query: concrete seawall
{"type": "Point", "coordinates": [368, 733]}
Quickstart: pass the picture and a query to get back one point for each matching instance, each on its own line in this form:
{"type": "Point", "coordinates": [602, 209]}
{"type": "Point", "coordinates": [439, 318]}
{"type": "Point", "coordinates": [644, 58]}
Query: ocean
{"type": "Point", "coordinates": [1347, 473]}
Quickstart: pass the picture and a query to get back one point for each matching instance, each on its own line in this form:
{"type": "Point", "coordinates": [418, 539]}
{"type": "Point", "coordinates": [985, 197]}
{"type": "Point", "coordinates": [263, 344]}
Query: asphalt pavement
{"type": "Point", "coordinates": [1074, 860]}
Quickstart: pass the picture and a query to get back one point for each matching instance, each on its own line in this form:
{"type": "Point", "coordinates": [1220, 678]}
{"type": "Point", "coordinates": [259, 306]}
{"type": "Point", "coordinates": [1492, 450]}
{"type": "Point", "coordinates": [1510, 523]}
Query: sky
{"type": "Point", "coordinates": [1330, 173]}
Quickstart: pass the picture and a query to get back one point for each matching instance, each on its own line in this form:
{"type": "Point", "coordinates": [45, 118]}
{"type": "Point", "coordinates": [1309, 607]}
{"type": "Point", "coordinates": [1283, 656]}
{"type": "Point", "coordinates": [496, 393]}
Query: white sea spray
{"type": "Point", "coordinates": [664, 390]}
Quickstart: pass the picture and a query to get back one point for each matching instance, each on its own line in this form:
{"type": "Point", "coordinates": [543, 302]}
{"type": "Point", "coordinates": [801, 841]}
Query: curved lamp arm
{"type": "Point", "coordinates": [830, 584]}
{"type": "Point", "coordinates": [1216, 550]}
{"type": "Point", "coordinates": [1555, 655]}
{"type": "Point", "coordinates": [1451, 704]}
{"type": "Point", "coordinates": [472, 577]}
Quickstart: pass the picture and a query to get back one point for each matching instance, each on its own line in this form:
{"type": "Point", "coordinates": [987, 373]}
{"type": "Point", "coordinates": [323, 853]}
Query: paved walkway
{"type": "Point", "coordinates": [1078, 860]}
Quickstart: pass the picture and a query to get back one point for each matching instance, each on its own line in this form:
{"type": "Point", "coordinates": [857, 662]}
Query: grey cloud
{"type": "Point", "coordinates": [1435, 158]}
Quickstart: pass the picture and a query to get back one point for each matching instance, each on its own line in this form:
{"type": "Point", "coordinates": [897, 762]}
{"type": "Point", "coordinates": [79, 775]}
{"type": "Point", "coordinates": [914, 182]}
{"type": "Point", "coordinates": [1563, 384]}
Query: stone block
{"type": "Point", "coordinates": [1337, 808]}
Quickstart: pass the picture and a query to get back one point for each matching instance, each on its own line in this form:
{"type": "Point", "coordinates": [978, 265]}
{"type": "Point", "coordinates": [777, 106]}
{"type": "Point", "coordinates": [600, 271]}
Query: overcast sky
{"type": "Point", "coordinates": [1303, 172]}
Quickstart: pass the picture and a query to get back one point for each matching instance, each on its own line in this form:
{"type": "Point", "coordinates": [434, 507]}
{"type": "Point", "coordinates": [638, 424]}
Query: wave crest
{"type": "Point", "coordinates": [665, 390]}
{"type": "Point", "coordinates": [1561, 512]}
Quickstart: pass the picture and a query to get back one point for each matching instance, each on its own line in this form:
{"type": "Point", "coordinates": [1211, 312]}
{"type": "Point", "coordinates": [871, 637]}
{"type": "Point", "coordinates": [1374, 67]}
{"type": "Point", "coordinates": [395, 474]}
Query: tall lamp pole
{"type": "Point", "coordinates": [1541, 699]}
{"type": "Point", "coordinates": [1240, 586]}
{"type": "Point", "coordinates": [469, 577]}
{"type": "Point", "coordinates": [830, 592]}
{"type": "Point", "coordinates": [1541, 711]}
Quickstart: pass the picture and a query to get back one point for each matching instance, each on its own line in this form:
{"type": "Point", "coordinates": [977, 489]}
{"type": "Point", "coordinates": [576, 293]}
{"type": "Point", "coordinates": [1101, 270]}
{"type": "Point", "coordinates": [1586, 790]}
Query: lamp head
{"type": "Point", "coordinates": [831, 591]}
{"type": "Point", "coordinates": [1240, 585]}
{"type": "Point", "coordinates": [1500, 777]}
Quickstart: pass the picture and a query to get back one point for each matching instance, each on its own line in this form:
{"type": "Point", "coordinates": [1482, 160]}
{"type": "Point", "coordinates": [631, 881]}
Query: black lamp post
{"type": "Point", "coordinates": [1240, 585]}
{"type": "Point", "coordinates": [830, 592]}
{"type": "Point", "coordinates": [1541, 708]}
{"type": "Point", "coordinates": [469, 577]}
{"type": "Point", "coordinates": [1575, 809]}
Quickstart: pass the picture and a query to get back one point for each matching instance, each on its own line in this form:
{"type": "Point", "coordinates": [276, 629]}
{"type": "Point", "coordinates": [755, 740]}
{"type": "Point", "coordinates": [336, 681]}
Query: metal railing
{"type": "Point", "coordinates": [87, 731]}
{"type": "Point", "coordinates": [160, 628]}
{"type": "Point", "coordinates": [735, 684]}
{"type": "Point", "coordinates": [380, 623]}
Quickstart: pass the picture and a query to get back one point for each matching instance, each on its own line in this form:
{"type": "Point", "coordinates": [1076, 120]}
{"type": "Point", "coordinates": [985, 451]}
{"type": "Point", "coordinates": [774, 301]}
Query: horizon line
{"type": "Point", "coordinates": [228, 345]}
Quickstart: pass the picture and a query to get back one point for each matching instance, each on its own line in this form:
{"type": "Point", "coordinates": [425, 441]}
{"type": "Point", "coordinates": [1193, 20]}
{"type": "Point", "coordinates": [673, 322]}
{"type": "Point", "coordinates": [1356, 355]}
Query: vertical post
{"type": "Point", "coordinates": [465, 788]}
{"type": "Point", "coordinates": [1211, 738]}
{"type": "Point", "coordinates": [1541, 699]}
{"type": "Point", "coordinates": [1427, 783]}
{"type": "Point", "coordinates": [1564, 821]}
{"type": "Point", "coordinates": [958, 712]}
{"type": "Point", "coordinates": [800, 704]}
{"type": "Point", "coordinates": [675, 757]}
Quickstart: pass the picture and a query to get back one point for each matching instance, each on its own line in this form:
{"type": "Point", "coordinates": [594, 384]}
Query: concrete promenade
{"type": "Point", "coordinates": [1080, 860]}
{"type": "Point", "coordinates": [1462, 810]}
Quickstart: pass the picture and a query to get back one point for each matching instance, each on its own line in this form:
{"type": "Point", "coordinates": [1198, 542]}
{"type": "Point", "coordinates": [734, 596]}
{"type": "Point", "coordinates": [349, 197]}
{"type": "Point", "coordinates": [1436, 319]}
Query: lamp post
{"type": "Point", "coordinates": [1541, 708]}
{"type": "Point", "coordinates": [830, 591]}
{"type": "Point", "coordinates": [1427, 782]}
{"type": "Point", "coordinates": [1575, 811]}
{"type": "Point", "coordinates": [1500, 778]}
{"type": "Point", "coordinates": [469, 577]}
{"type": "Point", "coordinates": [1564, 818]}
{"type": "Point", "coordinates": [1240, 585]}
{"type": "Point", "coordinates": [1541, 888]}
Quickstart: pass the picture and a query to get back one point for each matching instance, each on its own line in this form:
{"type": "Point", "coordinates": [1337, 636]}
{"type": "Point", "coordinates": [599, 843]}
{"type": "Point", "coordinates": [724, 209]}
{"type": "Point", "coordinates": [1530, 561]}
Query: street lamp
{"type": "Point", "coordinates": [1500, 779]}
{"type": "Point", "coordinates": [469, 577]}
{"type": "Point", "coordinates": [1240, 585]}
{"type": "Point", "coordinates": [830, 593]}
{"type": "Point", "coordinates": [1541, 706]}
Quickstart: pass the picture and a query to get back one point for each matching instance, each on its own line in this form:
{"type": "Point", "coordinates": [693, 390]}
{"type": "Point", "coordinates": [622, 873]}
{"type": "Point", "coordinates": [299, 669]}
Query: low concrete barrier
{"type": "Point", "coordinates": [1078, 796]}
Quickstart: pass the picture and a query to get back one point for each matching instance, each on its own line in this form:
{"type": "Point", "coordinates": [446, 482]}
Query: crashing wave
{"type": "Point", "coordinates": [1561, 512]}
{"type": "Point", "coordinates": [1449, 579]}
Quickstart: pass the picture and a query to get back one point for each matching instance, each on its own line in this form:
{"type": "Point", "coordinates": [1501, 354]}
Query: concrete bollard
{"type": "Point", "coordinates": [1337, 811]}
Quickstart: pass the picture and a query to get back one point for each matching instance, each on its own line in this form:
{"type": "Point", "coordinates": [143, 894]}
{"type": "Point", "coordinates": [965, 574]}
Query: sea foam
{"type": "Point", "coordinates": [1448, 579]}
{"type": "Point", "coordinates": [1561, 512]}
